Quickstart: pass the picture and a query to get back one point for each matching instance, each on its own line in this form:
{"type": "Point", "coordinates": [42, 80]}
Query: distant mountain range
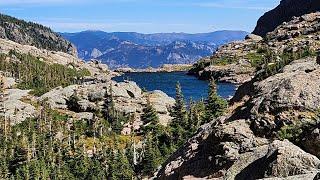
{"type": "Point", "coordinates": [130, 49]}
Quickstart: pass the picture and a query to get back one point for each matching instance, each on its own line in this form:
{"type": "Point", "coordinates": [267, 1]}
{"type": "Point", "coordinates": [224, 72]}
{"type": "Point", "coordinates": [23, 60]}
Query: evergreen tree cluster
{"type": "Point", "coordinates": [32, 73]}
{"type": "Point", "coordinates": [272, 63]}
{"type": "Point", "coordinates": [56, 146]}
{"type": "Point", "coordinates": [161, 142]}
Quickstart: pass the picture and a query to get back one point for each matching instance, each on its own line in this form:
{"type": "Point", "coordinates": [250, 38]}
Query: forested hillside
{"type": "Point", "coordinates": [55, 145]}
{"type": "Point", "coordinates": [33, 73]}
{"type": "Point", "coordinates": [29, 33]}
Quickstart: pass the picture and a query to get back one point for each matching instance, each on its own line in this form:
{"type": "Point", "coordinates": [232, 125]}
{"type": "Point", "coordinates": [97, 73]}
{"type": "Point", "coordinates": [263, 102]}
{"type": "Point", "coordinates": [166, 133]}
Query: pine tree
{"type": "Point", "coordinates": [179, 125]}
{"type": "Point", "coordinates": [120, 167]}
{"type": "Point", "coordinates": [151, 159]}
{"type": "Point", "coordinates": [179, 112]}
{"type": "Point", "coordinates": [109, 104]}
{"type": "Point", "coordinates": [215, 104]}
{"type": "Point", "coordinates": [150, 115]}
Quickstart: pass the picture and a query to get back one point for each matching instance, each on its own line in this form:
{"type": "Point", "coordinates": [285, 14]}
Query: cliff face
{"type": "Point", "coordinates": [283, 13]}
{"type": "Point", "coordinates": [28, 33]}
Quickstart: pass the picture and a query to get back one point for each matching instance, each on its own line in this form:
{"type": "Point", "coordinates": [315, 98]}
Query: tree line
{"type": "Point", "coordinates": [56, 146]}
{"type": "Point", "coordinates": [32, 73]}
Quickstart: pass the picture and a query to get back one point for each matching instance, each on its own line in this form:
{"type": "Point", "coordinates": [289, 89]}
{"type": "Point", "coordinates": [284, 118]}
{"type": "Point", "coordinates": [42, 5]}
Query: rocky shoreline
{"type": "Point", "coordinates": [163, 68]}
{"type": "Point", "coordinates": [237, 62]}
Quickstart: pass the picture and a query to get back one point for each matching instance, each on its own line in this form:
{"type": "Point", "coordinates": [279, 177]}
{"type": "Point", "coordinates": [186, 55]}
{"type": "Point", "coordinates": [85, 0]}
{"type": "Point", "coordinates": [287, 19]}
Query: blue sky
{"type": "Point", "coordinates": [145, 16]}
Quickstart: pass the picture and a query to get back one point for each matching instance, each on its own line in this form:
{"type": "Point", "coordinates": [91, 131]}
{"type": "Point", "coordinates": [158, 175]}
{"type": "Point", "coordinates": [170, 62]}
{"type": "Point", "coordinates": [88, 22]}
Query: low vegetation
{"type": "Point", "coordinates": [33, 73]}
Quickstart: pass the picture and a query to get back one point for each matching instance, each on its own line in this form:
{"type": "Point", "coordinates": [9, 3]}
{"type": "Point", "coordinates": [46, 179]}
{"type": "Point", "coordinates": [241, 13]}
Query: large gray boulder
{"type": "Point", "coordinates": [15, 109]}
{"type": "Point", "coordinates": [232, 151]}
{"type": "Point", "coordinates": [57, 98]}
{"type": "Point", "coordinates": [127, 89]}
{"type": "Point", "coordinates": [284, 98]}
{"type": "Point", "coordinates": [253, 37]}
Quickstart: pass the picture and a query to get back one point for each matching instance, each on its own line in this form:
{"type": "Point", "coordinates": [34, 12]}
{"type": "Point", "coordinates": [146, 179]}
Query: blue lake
{"type": "Point", "coordinates": [166, 82]}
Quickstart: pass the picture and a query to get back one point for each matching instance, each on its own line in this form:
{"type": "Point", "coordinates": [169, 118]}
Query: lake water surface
{"type": "Point", "coordinates": [166, 82]}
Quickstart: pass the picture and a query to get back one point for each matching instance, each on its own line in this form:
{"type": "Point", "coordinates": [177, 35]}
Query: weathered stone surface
{"type": "Point", "coordinates": [281, 99]}
{"type": "Point", "coordinates": [254, 37]}
{"type": "Point", "coordinates": [128, 97]}
{"type": "Point", "coordinates": [284, 12]}
{"type": "Point", "coordinates": [233, 73]}
{"type": "Point", "coordinates": [237, 60]}
{"type": "Point", "coordinates": [212, 151]}
{"type": "Point", "coordinates": [26, 33]}
{"type": "Point", "coordinates": [162, 104]}
{"type": "Point", "coordinates": [85, 115]}
{"type": "Point", "coordinates": [57, 98]}
{"type": "Point", "coordinates": [15, 109]}
{"type": "Point", "coordinates": [127, 89]}
{"type": "Point", "coordinates": [232, 151]}
{"type": "Point", "coordinates": [96, 69]}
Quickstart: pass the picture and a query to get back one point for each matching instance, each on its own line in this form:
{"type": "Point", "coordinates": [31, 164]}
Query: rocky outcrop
{"type": "Point", "coordinates": [236, 73]}
{"type": "Point", "coordinates": [15, 110]}
{"type": "Point", "coordinates": [283, 13]}
{"type": "Point", "coordinates": [287, 97]}
{"type": "Point", "coordinates": [232, 151]}
{"type": "Point", "coordinates": [239, 60]}
{"type": "Point", "coordinates": [96, 68]}
{"type": "Point", "coordinates": [129, 100]}
{"type": "Point", "coordinates": [230, 63]}
{"type": "Point", "coordinates": [28, 33]}
{"type": "Point", "coordinates": [298, 34]}
{"type": "Point", "coordinates": [244, 144]}
{"type": "Point", "coordinates": [57, 98]}
{"type": "Point", "coordinates": [254, 37]}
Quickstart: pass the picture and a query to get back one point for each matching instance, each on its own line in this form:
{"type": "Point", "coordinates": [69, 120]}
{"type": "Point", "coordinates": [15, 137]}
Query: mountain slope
{"type": "Point", "coordinates": [28, 33]}
{"type": "Point", "coordinates": [283, 13]}
{"type": "Point", "coordinates": [137, 50]}
{"type": "Point", "coordinates": [271, 128]}
{"type": "Point", "coordinates": [138, 56]}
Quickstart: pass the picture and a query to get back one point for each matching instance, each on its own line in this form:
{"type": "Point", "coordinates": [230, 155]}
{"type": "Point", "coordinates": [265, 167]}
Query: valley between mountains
{"type": "Point", "coordinates": [63, 115]}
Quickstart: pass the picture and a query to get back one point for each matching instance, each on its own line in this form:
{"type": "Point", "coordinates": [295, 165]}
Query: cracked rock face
{"type": "Point", "coordinates": [286, 97]}
{"type": "Point", "coordinates": [15, 109]}
{"type": "Point", "coordinates": [232, 151]}
{"type": "Point", "coordinates": [283, 13]}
